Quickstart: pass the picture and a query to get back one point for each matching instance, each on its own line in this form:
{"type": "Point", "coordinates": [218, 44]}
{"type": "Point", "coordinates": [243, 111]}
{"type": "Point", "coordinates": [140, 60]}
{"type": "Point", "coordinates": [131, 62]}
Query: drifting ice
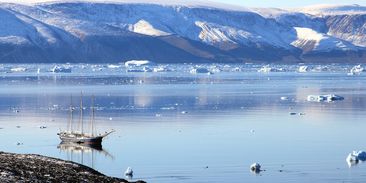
{"type": "Point", "coordinates": [255, 167]}
{"type": "Point", "coordinates": [138, 63]}
{"type": "Point", "coordinates": [129, 171]}
{"type": "Point", "coordinates": [18, 69]}
{"type": "Point", "coordinates": [321, 98]}
{"type": "Point", "coordinates": [356, 156]}
{"type": "Point", "coordinates": [356, 70]}
{"type": "Point", "coordinates": [304, 68]}
{"type": "Point", "coordinates": [58, 69]}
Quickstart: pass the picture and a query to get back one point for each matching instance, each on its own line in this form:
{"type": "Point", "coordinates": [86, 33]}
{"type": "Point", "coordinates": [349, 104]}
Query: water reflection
{"type": "Point", "coordinates": [83, 153]}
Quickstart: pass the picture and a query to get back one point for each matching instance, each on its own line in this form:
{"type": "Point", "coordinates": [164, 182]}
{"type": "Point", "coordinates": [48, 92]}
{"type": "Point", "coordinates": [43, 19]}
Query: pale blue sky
{"type": "Point", "coordinates": [289, 3]}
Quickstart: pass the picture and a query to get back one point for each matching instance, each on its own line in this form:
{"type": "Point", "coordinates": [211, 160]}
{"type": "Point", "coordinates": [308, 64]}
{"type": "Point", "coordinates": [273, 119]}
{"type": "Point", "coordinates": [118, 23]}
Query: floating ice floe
{"type": "Point", "coordinates": [200, 70]}
{"type": "Point", "coordinates": [322, 98]}
{"type": "Point", "coordinates": [61, 69]}
{"type": "Point", "coordinates": [284, 98]}
{"type": "Point", "coordinates": [356, 70]}
{"type": "Point", "coordinates": [137, 63]}
{"type": "Point", "coordinates": [255, 167]}
{"type": "Point", "coordinates": [18, 69]}
{"type": "Point", "coordinates": [129, 172]}
{"type": "Point", "coordinates": [138, 69]}
{"type": "Point", "coordinates": [356, 156]}
{"type": "Point", "coordinates": [304, 68]}
{"type": "Point", "coordinates": [162, 69]}
{"type": "Point", "coordinates": [112, 66]}
{"type": "Point", "coordinates": [267, 69]}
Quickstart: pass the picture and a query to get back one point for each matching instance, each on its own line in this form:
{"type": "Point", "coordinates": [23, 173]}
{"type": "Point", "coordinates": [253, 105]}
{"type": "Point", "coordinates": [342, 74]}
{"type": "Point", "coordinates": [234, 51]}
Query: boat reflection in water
{"type": "Point", "coordinates": [85, 154]}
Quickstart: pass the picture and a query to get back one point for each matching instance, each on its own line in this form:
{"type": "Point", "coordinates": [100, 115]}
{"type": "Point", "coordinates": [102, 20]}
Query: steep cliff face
{"type": "Point", "coordinates": [114, 32]}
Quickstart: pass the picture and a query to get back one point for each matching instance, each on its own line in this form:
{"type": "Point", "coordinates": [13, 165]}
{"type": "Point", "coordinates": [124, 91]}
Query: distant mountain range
{"type": "Point", "coordinates": [175, 33]}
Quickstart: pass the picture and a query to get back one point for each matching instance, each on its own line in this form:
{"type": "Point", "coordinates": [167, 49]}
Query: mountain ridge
{"type": "Point", "coordinates": [116, 32]}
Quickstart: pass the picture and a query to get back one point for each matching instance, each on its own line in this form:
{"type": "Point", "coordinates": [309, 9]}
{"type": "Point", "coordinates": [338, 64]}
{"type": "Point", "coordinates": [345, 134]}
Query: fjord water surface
{"type": "Point", "coordinates": [182, 127]}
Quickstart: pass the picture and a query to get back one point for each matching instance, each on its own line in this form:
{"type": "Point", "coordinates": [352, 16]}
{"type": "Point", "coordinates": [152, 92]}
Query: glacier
{"type": "Point", "coordinates": [179, 32]}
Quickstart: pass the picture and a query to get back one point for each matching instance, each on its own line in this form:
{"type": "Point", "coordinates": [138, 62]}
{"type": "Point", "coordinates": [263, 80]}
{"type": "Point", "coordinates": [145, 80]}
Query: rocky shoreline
{"type": "Point", "coordinates": [37, 168]}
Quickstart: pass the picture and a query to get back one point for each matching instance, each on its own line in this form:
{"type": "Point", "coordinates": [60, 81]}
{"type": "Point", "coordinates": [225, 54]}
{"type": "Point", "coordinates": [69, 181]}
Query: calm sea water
{"type": "Point", "coordinates": [182, 127]}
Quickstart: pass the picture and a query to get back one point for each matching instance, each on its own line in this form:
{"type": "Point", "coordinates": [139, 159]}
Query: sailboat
{"type": "Point", "coordinates": [79, 136]}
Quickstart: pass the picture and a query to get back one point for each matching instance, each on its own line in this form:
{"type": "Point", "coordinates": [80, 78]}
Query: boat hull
{"type": "Point", "coordinates": [82, 140]}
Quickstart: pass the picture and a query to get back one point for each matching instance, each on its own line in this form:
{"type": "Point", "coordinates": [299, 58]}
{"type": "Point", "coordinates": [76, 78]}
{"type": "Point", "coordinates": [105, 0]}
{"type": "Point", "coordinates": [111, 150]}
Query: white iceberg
{"type": "Point", "coordinates": [356, 156]}
{"type": "Point", "coordinates": [18, 69]}
{"type": "Point", "coordinates": [267, 69]}
{"type": "Point", "coordinates": [137, 63]}
{"type": "Point", "coordinates": [112, 66]}
{"type": "Point", "coordinates": [162, 69]}
{"type": "Point", "coordinates": [356, 70]}
{"type": "Point", "coordinates": [321, 98]}
{"type": "Point", "coordinates": [129, 171]}
{"type": "Point", "coordinates": [61, 69]}
{"type": "Point", "coordinates": [255, 167]}
{"type": "Point", "coordinates": [304, 68]}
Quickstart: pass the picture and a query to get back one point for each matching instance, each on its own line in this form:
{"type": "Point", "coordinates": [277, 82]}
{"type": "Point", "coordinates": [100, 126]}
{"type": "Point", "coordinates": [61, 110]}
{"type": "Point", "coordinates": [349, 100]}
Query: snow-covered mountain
{"type": "Point", "coordinates": [173, 32]}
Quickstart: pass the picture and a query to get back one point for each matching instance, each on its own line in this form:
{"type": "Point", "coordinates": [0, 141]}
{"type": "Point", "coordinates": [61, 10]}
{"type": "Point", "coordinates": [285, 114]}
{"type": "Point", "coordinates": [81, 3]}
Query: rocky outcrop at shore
{"type": "Point", "coordinates": [37, 168]}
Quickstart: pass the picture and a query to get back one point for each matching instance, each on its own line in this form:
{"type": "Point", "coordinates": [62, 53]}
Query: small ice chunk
{"type": "Point", "coordinates": [352, 158]}
{"type": "Point", "coordinates": [265, 68]}
{"type": "Point", "coordinates": [112, 66]}
{"type": "Point", "coordinates": [356, 70]}
{"type": "Point", "coordinates": [129, 172]}
{"type": "Point", "coordinates": [356, 156]}
{"type": "Point", "coordinates": [184, 112]}
{"type": "Point", "coordinates": [304, 68]}
{"type": "Point", "coordinates": [61, 69]}
{"type": "Point", "coordinates": [284, 98]}
{"type": "Point", "coordinates": [18, 69]}
{"type": "Point", "coordinates": [255, 167]}
{"type": "Point", "coordinates": [321, 98]}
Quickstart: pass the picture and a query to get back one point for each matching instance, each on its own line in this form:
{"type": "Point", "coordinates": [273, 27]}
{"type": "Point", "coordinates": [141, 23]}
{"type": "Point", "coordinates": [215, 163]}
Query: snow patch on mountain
{"type": "Point", "coordinates": [144, 27]}
{"type": "Point", "coordinates": [310, 40]}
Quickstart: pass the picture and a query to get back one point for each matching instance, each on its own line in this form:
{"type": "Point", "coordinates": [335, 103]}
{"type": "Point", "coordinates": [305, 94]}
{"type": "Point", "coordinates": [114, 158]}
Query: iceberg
{"type": "Point", "coordinates": [356, 156]}
{"type": "Point", "coordinates": [162, 69]}
{"type": "Point", "coordinates": [137, 63]}
{"type": "Point", "coordinates": [61, 69]}
{"type": "Point", "coordinates": [304, 68]}
{"type": "Point", "coordinates": [255, 167]}
{"type": "Point", "coordinates": [356, 70]}
{"type": "Point", "coordinates": [267, 69]}
{"type": "Point", "coordinates": [321, 98]}
{"type": "Point", "coordinates": [18, 69]}
{"type": "Point", "coordinates": [112, 66]}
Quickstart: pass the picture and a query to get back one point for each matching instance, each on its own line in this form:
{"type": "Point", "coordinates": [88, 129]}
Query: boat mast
{"type": "Point", "coordinates": [92, 119]}
{"type": "Point", "coordinates": [69, 124]}
{"type": "Point", "coordinates": [81, 112]}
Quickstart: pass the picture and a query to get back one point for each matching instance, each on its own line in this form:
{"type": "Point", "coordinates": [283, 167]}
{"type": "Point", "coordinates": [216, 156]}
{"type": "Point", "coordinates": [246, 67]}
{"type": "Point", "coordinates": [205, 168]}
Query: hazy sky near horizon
{"type": "Point", "coordinates": [247, 3]}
